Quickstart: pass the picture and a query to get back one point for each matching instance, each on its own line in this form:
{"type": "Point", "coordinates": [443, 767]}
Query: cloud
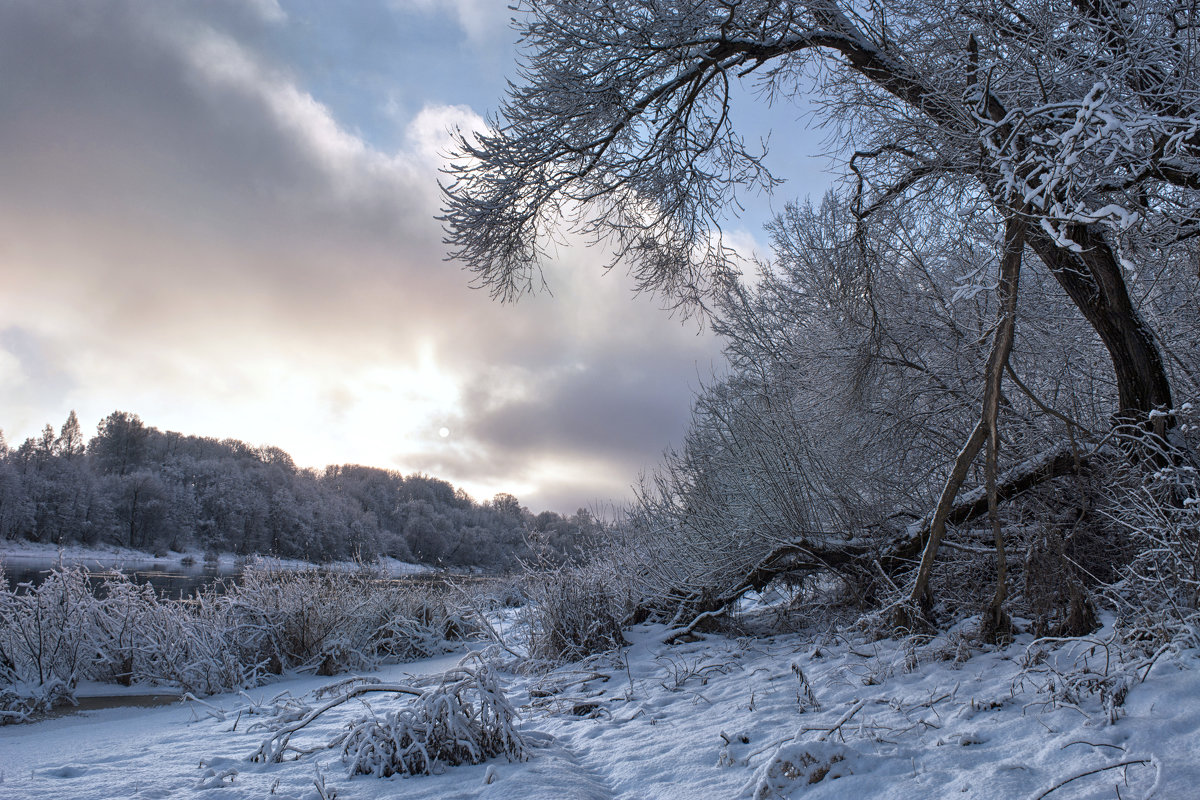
{"type": "Point", "coordinates": [479, 19]}
{"type": "Point", "coordinates": [429, 134]}
{"type": "Point", "coordinates": [189, 233]}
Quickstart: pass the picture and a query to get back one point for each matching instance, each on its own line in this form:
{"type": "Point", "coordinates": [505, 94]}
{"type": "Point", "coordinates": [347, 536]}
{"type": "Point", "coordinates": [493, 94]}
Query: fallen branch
{"type": "Point", "coordinates": [1118, 765]}
{"type": "Point", "coordinates": [844, 719]}
{"type": "Point", "coordinates": [970, 505]}
{"type": "Point", "coordinates": [213, 711]}
{"type": "Point", "coordinates": [894, 550]}
{"type": "Point", "coordinates": [272, 750]}
{"type": "Point", "coordinates": [677, 633]}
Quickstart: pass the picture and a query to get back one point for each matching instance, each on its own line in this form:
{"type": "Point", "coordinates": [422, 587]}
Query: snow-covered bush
{"type": "Point", "coordinates": [43, 643]}
{"type": "Point", "coordinates": [62, 631]}
{"type": "Point", "coordinates": [335, 621]}
{"type": "Point", "coordinates": [204, 647]}
{"type": "Point", "coordinates": [573, 613]}
{"type": "Point", "coordinates": [802, 764]}
{"type": "Point", "coordinates": [21, 702]}
{"type": "Point", "coordinates": [121, 621]}
{"type": "Point", "coordinates": [45, 630]}
{"type": "Point", "coordinates": [463, 719]}
{"type": "Point", "coordinates": [1158, 595]}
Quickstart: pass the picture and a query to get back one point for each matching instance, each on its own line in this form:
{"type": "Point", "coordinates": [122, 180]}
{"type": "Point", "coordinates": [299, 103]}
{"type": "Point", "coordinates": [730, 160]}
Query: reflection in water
{"type": "Point", "coordinates": [173, 579]}
{"type": "Point", "coordinates": [170, 579]}
{"type": "Point", "coordinates": [102, 702]}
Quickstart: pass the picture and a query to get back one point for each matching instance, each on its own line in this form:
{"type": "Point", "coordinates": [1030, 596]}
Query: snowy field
{"type": "Point", "coordinates": [789, 716]}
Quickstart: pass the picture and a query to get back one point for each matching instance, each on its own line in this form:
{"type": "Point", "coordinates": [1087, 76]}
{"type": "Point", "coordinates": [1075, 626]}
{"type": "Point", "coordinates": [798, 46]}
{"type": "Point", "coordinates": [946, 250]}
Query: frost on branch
{"type": "Point", "coordinates": [1158, 594]}
{"type": "Point", "coordinates": [1085, 156]}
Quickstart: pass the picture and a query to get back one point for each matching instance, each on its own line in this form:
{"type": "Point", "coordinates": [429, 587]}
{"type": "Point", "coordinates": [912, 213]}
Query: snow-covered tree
{"type": "Point", "coordinates": [70, 442]}
{"type": "Point", "coordinates": [1071, 128]}
{"type": "Point", "coordinates": [1077, 119]}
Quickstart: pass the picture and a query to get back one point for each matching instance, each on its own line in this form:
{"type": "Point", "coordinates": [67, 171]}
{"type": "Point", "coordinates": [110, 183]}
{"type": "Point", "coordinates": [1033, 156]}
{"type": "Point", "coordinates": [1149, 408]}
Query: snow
{"type": "Point", "coordinates": [713, 718]}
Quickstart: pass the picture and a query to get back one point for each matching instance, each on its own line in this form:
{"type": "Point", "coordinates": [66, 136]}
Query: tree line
{"type": "Point", "coordinates": [135, 486]}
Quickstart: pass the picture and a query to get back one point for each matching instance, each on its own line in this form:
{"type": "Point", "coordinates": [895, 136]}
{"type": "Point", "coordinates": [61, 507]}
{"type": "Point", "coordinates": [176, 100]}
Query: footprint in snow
{"type": "Point", "coordinates": [66, 771]}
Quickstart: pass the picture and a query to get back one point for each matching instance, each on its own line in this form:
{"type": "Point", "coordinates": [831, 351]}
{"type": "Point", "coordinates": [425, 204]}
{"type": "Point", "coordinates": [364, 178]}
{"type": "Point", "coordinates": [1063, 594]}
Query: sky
{"type": "Point", "coordinates": [220, 216]}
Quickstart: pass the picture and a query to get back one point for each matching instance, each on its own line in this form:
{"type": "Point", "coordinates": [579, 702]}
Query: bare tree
{"type": "Point", "coordinates": [1080, 117]}
{"type": "Point", "coordinates": [1072, 124]}
{"type": "Point", "coordinates": [858, 364]}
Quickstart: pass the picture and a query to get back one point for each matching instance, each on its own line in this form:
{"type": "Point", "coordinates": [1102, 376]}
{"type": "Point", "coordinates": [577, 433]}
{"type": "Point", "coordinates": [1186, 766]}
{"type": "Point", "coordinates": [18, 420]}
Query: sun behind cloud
{"type": "Point", "coordinates": [194, 228]}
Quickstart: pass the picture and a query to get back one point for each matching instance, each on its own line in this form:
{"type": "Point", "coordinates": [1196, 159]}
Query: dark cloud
{"type": "Point", "coordinates": [607, 407]}
{"type": "Point", "coordinates": [607, 417]}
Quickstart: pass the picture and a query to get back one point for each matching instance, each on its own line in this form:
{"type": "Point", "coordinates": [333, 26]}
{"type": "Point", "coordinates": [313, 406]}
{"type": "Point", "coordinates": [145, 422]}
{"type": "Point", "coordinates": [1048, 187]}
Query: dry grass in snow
{"type": "Point", "coordinates": [795, 716]}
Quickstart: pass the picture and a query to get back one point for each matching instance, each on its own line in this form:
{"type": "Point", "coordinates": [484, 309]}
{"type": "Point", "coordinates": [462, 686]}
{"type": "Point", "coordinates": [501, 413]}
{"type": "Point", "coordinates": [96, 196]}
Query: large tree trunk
{"type": "Point", "coordinates": [1093, 280]}
{"type": "Point", "coordinates": [1091, 277]}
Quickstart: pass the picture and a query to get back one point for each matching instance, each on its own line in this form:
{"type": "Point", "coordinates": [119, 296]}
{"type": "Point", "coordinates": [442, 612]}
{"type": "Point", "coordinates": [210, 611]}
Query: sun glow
{"type": "Point", "coordinates": [387, 416]}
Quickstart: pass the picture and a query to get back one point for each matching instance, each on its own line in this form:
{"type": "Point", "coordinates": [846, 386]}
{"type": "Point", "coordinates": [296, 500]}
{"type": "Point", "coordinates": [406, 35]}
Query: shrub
{"type": "Point", "coordinates": [44, 630]}
{"type": "Point", "coordinates": [21, 702]}
{"type": "Point", "coordinates": [59, 632]}
{"type": "Point", "coordinates": [573, 613]}
{"type": "Point", "coordinates": [464, 719]}
{"type": "Point", "coordinates": [1158, 595]}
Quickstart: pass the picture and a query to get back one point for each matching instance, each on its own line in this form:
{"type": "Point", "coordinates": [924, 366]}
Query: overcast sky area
{"type": "Point", "coordinates": [219, 215]}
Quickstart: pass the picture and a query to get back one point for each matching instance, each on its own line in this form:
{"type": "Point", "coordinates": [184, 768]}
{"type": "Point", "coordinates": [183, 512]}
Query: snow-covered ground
{"type": "Point", "coordinates": [714, 718]}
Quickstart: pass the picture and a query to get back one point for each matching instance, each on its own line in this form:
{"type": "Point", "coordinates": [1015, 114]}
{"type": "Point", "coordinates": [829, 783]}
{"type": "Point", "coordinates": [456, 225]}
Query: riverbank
{"type": "Point", "coordinates": [74, 626]}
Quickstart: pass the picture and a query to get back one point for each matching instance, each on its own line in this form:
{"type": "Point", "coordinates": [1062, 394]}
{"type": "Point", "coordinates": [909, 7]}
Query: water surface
{"type": "Point", "coordinates": [171, 578]}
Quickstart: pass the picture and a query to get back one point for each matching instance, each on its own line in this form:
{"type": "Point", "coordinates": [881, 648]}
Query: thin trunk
{"type": "Point", "coordinates": [987, 429]}
{"type": "Point", "coordinates": [920, 592]}
{"type": "Point", "coordinates": [996, 624]}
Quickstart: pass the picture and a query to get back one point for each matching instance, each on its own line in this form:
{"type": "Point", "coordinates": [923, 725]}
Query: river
{"type": "Point", "coordinates": [172, 578]}
{"type": "Point", "coordinates": [182, 577]}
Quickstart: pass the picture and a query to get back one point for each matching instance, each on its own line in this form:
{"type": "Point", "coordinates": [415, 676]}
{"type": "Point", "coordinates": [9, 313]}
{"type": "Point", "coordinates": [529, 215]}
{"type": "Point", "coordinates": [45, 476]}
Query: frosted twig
{"type": "Point", "coordinates": [1118, 765]}
{"type": "Point", "coordinates": [213, 711]}
{"type": "Point", "coordinates": [1093, 744]}
{"type": "Point", "coordinates": [844, 719]}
